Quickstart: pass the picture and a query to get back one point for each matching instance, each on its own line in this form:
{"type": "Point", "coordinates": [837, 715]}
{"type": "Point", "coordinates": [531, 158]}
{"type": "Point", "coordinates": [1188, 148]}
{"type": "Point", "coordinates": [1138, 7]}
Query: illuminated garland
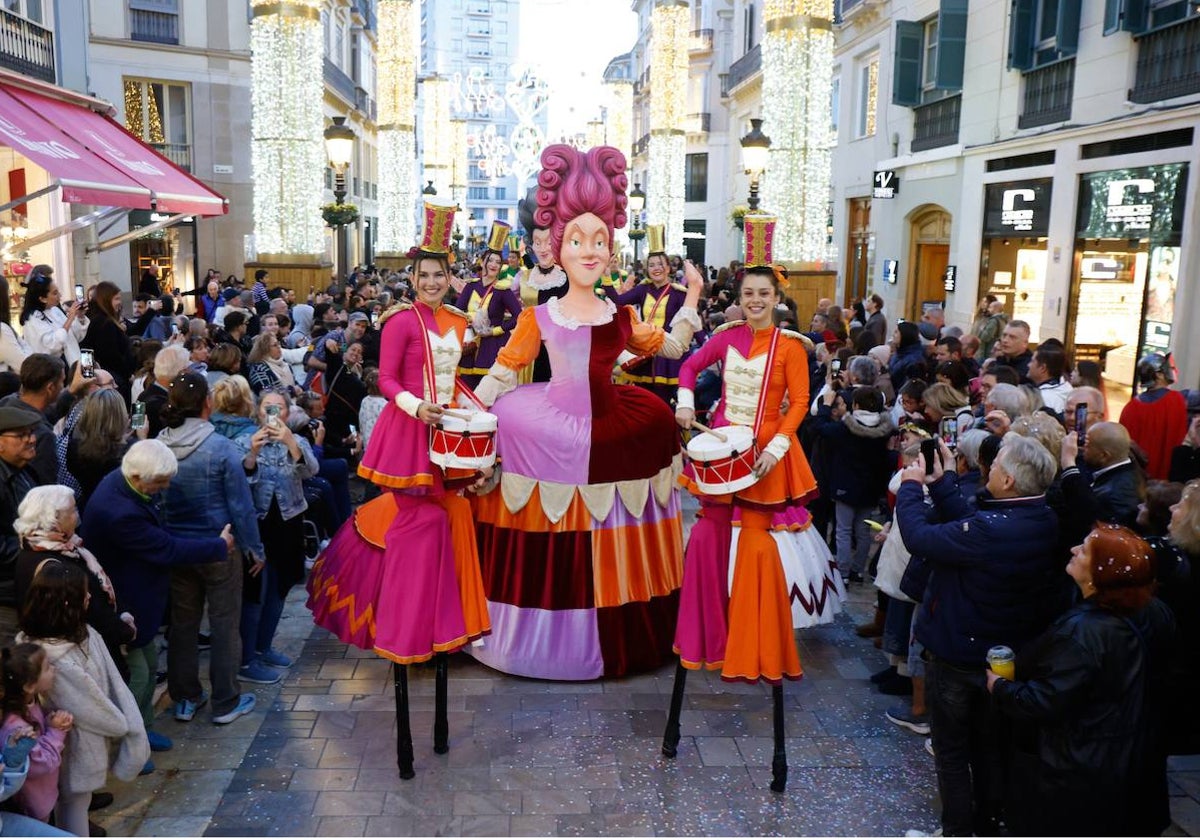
{"type": "Point", "coordinates": [287, 149]}
{"type": "Point", "coordinates": [395, 71]}
{"type": "Point", "coordinates": [669, 38]}
{"type": "Point", "coordinates": [797, 57]}
{"type": "Point", "coordinates": [436, 139]}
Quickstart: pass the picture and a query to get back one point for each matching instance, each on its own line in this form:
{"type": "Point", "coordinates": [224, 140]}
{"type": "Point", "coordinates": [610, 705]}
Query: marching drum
{"type": "Point", "coordinates": [464, 442]}
{"type": "Point", "coordinates": [724, 466]}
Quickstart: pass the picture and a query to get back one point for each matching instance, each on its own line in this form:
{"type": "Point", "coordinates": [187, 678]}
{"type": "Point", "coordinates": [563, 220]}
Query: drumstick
{"type": "Point", "coordinates": [458, 415]}
{"type": "Point", "coordinates": [714, 433]}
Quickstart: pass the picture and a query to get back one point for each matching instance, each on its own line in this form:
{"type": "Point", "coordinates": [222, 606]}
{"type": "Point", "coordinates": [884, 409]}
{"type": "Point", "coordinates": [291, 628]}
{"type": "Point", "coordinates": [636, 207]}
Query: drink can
{"type": "Point", "coordinates": [1002, 661]}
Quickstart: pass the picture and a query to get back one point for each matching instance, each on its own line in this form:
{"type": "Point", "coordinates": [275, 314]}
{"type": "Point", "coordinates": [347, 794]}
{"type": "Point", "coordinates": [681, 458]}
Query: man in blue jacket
{"type": "Point", "coordinates": [996, 579]}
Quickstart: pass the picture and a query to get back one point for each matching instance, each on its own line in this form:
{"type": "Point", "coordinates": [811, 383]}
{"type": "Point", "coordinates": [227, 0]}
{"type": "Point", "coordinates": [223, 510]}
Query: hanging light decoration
{"type": "Point", "coordinates": [797, 57]}
{"type": "Point", "coordinates": [395, 80]}
{"type": "Point", "coordinates": [287, 150]}
{"type": "Point", "coordinates": [436, 131]}
{"type": "Point", "coordinates": [669, 36]}
{"type": "Point", "coordinates": [458, 162]}
{"type": "Point", "coordinates": [620, 115]}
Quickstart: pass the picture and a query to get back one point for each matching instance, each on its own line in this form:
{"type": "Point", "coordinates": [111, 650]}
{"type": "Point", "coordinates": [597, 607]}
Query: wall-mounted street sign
{"type": "Point", "coordinates": [950, 277]}
{"type": "Point", "coordinates": [891, 271]}
{"type": "Point", "coordinates": [886, 184]}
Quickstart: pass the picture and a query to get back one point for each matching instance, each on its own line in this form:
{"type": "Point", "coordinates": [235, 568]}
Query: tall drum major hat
{"type": "Point", "coordinates": [656, 238]}
{"type": "Point", "coordinates": [437, 223]}
{"type": "Point", "coordinates": [760, 240]}
{"type": "Point", "coordinates": [498, 236]}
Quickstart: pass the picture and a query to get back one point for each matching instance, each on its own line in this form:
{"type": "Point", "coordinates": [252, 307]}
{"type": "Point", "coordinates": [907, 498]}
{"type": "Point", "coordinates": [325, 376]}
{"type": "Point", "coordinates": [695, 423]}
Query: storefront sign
{"type": "Point", "coordinates": [886, 184]}
{"type": "Point", "coordinates": [1017, 207]}
{"type": "Point", "coordinates": [950, 278]}
{"type": "Point", "coordinates": [1133, 203]}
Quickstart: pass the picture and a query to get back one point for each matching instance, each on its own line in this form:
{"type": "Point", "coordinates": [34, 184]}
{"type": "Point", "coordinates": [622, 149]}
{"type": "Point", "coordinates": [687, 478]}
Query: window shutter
{"type": "Point", "coordinates": [1112, 16]}
{"type": "Point", "coordinates": [906, 68]}
{"type": "Point", "coordinates": [1125, 15]}
{"type": "Point", "coordinates": [1067, 28]}
{"type": "Point", "coordinates": [952, 44]}
{"type": "Point", "coordinates": [1020, 45]}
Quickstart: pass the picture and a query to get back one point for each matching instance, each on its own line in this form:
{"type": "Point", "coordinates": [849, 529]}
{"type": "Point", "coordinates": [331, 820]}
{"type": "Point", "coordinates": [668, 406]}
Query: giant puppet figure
{"type": "Point", "coordinates": [401, 577]}
{"type": "Point", "coordinates": [581, 543]}
{"type": "Point", "coordinates": [755, 569]}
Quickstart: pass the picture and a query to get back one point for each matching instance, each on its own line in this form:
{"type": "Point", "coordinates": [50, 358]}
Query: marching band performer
{"type": "Point", "coordinates": [783, 575]}
{"type": "Point", "coordinates": [401, 577]}
{"type": "Point", "coordinates": [492, 306]}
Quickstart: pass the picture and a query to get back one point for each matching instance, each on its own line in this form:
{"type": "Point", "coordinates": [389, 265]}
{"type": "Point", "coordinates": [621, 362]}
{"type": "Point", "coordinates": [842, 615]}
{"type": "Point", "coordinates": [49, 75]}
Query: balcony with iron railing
{"type": "Point", "coordinates": [1048, 93]}
{"type": "Point", "coordinates": [366, 8]}
{"type": "Point", "coordinates": [152, 26]}
{"type": "Point", "coordinates": [26, 47]}
{"type": "Point", "coordinates": [364, 103]}
{"type": "Point", "coordinates": [723, 78]}
{"type": "Point", "coordinates": [641, 145]}
{"type": "Point", "coordinates": [935, 124]}
{"type": "Point", "coordinates": [342, 84]}
{"type": "Point", "coordinates": [700, 123]}
{"type": "Point", "coordinates": [1168, 62]}
{"type": "Point", "coordinates": [179, 154]}
{"type": "Point", "coordinates": [701, 41]}
{"type": "Point", "coordinates": [745, 68]}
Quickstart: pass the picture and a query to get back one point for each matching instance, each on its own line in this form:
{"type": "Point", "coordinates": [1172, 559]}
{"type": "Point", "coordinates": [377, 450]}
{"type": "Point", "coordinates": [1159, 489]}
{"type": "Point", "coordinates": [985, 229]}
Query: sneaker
{"type": "Point", "coordinates": [929, 745]}
{"type": "Point", "coordinates": [100, 799]}
{"type": "Point", "coordinates": [257, 672]}
{"type": "Point", "coordinates": [854, 577]}
{"type": "Point", "coordinates": [275, 659]}
{"type": "Point", "coordinates": [158, 743]}
{"type": "Point", "coordinates": [903, 716]}
{"type": "Point", "coordinates": [185, 710]}
{"type": "Point", "coordinates": [884, 675]}
{"type": "Point", "coordinates": [204, 641]}
{"type": "Point", "coordinates": [244, 706]}
{"type": "Point", "coordinates": [147, 769]}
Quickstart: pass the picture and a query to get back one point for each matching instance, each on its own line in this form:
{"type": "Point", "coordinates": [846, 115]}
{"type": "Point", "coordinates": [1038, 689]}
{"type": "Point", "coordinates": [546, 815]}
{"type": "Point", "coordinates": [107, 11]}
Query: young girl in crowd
{"type": "Point", "coordinates": [28, 675]}
{"type": "Point", "coordinates": [107, 731]}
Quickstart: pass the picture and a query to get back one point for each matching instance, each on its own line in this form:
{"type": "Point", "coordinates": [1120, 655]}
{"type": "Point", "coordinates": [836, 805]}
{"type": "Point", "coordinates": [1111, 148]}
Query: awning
{"type": "Point", "coordinates": [95, 160]}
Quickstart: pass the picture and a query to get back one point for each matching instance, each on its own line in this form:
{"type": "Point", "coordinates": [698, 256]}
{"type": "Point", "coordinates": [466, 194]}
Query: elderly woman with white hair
{"type": "Point", "coordinates": [124, 527]}
{"type": "Point", "coordinates": [45, 524]}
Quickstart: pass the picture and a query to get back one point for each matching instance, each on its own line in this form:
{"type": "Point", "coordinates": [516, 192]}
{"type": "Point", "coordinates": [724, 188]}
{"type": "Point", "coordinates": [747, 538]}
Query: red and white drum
{"type": "Point", "coordinates": [467, 443]}
{"type": "Point", "coordinates": [724, 466]}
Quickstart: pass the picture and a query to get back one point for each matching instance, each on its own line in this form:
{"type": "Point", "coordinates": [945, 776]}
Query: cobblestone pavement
{"type": "Point", "coordinates": [544, 758]}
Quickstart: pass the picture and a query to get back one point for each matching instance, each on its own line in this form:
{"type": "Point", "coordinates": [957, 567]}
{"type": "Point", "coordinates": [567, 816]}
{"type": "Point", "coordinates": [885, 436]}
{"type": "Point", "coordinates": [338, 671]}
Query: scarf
{"type": "Point", "coordinates": [71, 546]}
{"type": "Point", "coordinates": [282, 370]}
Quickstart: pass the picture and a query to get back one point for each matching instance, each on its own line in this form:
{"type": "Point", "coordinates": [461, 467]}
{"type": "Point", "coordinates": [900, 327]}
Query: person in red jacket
{"type": "Point", "coordinates": [1157, 417]}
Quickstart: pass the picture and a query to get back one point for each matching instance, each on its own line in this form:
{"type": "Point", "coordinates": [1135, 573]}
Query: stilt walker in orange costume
{"type": "Point", "coordinates": [401, 577]}
{"type": "Point", "coordinates": [749, 470]}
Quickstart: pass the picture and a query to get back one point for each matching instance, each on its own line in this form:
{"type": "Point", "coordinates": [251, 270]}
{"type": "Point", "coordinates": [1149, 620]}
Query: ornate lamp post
{"type": "Point", "coordinates": [755, 148]}
{"type": "Point", "coordinates": [430, 189]}
{"type": "Point", "coordinates": [339, 149]}
{"type": "Point", "coordinates": [637, 200]}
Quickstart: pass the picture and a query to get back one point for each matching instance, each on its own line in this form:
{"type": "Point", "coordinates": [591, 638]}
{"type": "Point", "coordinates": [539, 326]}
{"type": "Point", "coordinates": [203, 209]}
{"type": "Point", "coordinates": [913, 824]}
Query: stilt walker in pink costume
{"type": "Point", "coordinates": [754, 569]}
{"type": "Point", "coordinates": [401, 577]}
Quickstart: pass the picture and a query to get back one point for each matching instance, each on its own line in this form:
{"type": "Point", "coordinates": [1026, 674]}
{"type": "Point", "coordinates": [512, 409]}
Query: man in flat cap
{"type": "Point", "coordinates": [18, 446]}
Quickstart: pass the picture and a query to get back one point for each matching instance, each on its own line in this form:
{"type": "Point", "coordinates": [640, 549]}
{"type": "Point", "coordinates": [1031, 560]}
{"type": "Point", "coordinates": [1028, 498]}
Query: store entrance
{"type": "Point", "coordinates": [929, 255]}
{"type": "Point", "coordinates": [1105, 316]}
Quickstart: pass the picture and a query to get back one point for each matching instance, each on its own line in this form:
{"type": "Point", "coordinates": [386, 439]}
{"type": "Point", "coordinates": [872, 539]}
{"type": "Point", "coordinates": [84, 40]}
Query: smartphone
{"type": "Point", "coordinates": [374, 317]}
{"type": "Point", "coordinates": [1081, 416]}
{"type": "Point", "coordinates": [929, 451]}
{"type": "Point", "coordinates": [949, 432]}
{"type": "Point", "coordinates": [139, 416]}
{"type": "Point", "coordinates": [87, 364]}
{"type": "Point", "coordinates": [353, 430]}
{"type": "Point", "coordinates": [79, 292]}
{"type": "Point", "coordinates": [273, 412]}
{"type": "Point", "coordinates": [836, 366]}
{"type": "Point", "coordinates": [174, 329]}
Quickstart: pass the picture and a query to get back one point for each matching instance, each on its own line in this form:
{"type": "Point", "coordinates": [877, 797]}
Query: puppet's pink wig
{"type": "Point", "coordinates": [572, 183]}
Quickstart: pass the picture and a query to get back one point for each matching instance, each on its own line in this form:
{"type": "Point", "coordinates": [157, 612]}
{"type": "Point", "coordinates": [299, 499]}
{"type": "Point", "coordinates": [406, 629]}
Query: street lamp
{"type": "Point", "coordinates": [755, 149]}
{"type": "Point", "coordinates": [471, 240]}
{"type": "Point", "coordinates": [637, 200]}
{"type": "Point", "coordinates": [430, 189]}
{"type": "Point", "coordinates": [339, 149]}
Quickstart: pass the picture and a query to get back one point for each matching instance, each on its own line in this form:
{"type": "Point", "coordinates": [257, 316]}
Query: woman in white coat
{"type": "Point", "coordinates": [48, 328]}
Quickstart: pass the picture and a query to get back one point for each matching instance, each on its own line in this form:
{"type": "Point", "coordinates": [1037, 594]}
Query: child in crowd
{"type": "Point", "coordinates": [28, 675]}
{"type": "Point", "coordinates": [108, 732]}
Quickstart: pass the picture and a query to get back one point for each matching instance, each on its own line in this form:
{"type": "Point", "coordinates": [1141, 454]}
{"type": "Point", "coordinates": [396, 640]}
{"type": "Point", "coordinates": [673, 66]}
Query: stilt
{"type": "Point", "coordinates": [671, 737]}
{"type": "Point", "coordinates": [404, 746]}
{"type": "Point", "coordinates": [779, 768]}
{"type": "Point", "coordinates": [441, 728]}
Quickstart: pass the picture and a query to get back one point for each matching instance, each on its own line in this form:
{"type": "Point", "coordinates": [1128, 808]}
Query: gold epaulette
{"type": "Point", "coordinates": [679, 286]}
{"type": "Point", "coordinates": [454, 310]}
{"type": "Point", "coordinates": [803, 339]}
{"type": "Point", "coordinates": [392, 310]}
{"type": "Point", "coordinates": [728, 325]}
{"type": "Point", "coordinates": [503, 285]}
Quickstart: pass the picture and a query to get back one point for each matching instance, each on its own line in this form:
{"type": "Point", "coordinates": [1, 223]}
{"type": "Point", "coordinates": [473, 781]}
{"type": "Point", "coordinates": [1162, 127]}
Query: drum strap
{"type": "Point", "coordinates": [430, 377]}
{"type": "Point", "coordinates": [762, 395]}
{"type": "Point", "coordinates": [469, 394]}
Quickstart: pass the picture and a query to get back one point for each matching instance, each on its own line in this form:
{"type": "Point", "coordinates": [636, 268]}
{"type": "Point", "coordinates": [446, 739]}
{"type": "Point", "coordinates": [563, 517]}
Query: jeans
{"type": "Point", "coordinates": [966, 753]}
{"type": "Point", "coordinates": [19, 825]}
{"type": "Point", "coordinates": [143, 668]}
{"type": "Point", "coordinates": [261, 620]}
{"type": "Point", "coordinates": [337, 472]}
{"type": "Point", "coordinates": [220, 584]}
{"type": "Point", "coordinates": [850, 521]}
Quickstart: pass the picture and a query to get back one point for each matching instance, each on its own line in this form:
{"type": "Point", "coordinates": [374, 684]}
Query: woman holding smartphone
{"type": "Point", "coordinates": [47, 327]}
{"type": "Point", "coordinates": [283, 460]}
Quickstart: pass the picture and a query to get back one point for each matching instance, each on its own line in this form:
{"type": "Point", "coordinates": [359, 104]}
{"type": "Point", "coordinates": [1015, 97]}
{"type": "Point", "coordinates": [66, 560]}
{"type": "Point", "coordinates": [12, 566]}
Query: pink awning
{"type": "Point", "coordinates": [95, 160]}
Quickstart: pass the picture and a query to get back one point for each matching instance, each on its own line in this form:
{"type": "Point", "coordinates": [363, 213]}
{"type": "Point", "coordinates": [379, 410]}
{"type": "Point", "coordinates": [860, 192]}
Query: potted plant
{"type": "Point", "coordinates": [738, 214]}
{"type": "Point", "coordinates": [337, 215]}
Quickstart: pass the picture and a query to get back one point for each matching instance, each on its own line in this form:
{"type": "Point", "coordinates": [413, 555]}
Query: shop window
{"type": "Point", "coordinates": [1042, 31]}
{"type": "Point", "coordinates": [929, 55]}
{"type": "Point", "coordinates": [160, 114]}
{"type": "Point", "coordinates": [696, 177]}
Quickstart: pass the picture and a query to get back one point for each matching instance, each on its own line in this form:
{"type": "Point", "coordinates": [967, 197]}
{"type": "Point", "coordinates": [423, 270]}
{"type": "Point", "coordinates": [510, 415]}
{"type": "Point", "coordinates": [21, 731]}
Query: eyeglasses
{"type": "Point", "coordinates": [28, 433]}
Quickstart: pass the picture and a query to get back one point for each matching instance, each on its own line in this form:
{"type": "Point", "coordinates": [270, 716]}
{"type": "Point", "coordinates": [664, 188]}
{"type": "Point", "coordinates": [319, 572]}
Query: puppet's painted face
{"type": "Point", "coordinates": [543, 250]}
{"type": "Point", "coordinates": [585, 249]}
